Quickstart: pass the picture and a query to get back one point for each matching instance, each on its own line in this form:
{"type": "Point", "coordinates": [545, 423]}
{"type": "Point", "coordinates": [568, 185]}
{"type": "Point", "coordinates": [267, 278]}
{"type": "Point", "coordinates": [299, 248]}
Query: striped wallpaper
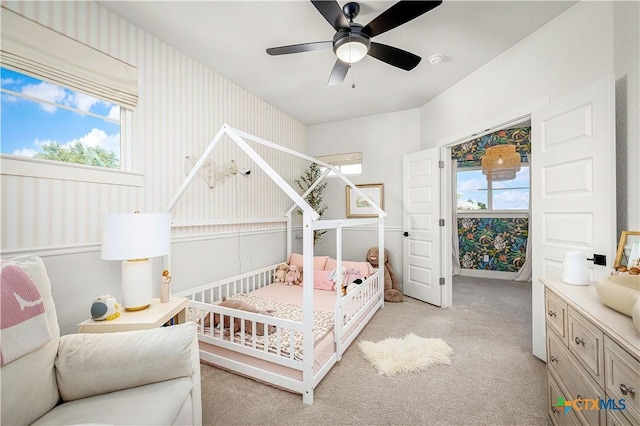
{"type": "Point", "coordinates": [181, 107]}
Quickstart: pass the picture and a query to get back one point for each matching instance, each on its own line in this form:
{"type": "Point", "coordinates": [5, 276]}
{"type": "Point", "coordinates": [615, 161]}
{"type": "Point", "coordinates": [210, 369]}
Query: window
{"type": "Point", "coordinates": [71, 127]}
{"type": "Point", "coordinates": [476, 193]}
{"type": "Point", "coordinates": [347, 164]}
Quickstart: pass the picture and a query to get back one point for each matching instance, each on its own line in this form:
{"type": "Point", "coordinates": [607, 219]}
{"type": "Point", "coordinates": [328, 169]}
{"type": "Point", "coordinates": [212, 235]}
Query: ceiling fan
{"type": "Point", "coordinates": [352, 41]}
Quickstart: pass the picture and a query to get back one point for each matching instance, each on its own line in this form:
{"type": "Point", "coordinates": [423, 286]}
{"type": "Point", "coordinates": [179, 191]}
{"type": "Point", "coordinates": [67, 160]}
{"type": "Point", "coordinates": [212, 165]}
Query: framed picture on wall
{"type": "Point", "coordinates": [358, 206]}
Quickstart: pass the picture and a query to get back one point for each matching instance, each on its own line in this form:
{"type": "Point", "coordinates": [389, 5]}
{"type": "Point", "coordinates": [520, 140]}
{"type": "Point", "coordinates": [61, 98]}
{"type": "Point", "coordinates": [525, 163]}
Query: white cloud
{"type": "Point", "coordinates": [47, 91]}
{"type": "Point", "coordinates": [25, 152]}
{"type": "Point", "coordinates": [114, 113]}
{"type": "Point", "coordinates": [512, 199]}
{"type": "Point", "coordinates": [472, 184]}
{"type": "Point", "coordinates": [8, 81]}
{"type": "Point", "coordinates": [8, 98]}
{"type": "Point", "coordinates": [82, 102]}
{"type": "Point", "coordinates": [95, 137]}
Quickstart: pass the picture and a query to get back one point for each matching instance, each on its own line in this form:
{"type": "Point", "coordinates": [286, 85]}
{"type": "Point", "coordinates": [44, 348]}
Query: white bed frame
{"type": "Point", "coordinates": [352, 312]}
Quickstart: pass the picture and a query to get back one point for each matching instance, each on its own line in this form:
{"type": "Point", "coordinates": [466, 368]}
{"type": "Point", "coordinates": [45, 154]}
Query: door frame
{"type": "Point", "coordinates": [515, 114]}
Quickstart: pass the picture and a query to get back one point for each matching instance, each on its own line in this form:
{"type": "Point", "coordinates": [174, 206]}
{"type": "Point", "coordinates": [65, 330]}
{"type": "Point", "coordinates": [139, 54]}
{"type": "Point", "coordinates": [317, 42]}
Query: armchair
{"type": "Point", "coordinates": [134, 377]}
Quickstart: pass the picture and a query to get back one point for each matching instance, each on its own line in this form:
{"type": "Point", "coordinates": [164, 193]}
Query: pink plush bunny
{"type": "Point", "coordinates": [293, 276]}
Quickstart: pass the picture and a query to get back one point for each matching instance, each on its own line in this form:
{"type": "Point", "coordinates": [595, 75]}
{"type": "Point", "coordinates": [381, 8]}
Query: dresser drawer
{"type": "Point", "coordinates": [576, 383]}
{"type": "Point", "coordinates": [556, 414]}
{"type": "Point", "coordinates": [615, 418]}
{"type": "Point", "coordinates": [622, 372]}
{"type": "Point", "coordinates": [586, 342]}
{"type": "Point", "coordinates": [556, 314]}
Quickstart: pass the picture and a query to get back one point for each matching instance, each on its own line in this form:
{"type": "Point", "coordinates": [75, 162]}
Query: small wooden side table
{"type": "Point", "coordinates": [156, 315]}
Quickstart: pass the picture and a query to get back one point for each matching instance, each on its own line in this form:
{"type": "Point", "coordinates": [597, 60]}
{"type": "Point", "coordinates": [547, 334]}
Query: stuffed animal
{"type": "Point", "coordinates": [242, 306]}
{"type": "Point", "coordinates": [105, 307]}
{"type": "Point", "coordinates": [391, 284]}
{"type": "Point", "coordinates": [281, 272]}
{"type": "Point", "coordinates": [293, 276]}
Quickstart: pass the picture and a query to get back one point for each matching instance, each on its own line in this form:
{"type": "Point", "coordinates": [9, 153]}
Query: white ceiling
{"type": "Point", "coordinates": [230, 37]}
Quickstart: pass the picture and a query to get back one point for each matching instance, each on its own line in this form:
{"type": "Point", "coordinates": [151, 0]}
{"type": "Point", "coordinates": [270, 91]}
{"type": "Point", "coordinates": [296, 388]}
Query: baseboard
{"type": "Point", "coordinates": [481, 273]}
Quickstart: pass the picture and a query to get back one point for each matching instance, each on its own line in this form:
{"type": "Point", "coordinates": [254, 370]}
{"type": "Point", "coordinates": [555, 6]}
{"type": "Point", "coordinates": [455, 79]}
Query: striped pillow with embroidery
{"type": "Point", "coordinates": [23, 320]}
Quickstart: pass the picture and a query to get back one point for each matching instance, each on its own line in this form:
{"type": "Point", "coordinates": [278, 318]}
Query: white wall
{"type": "Point", "coordinates": [181, 107]}
{"type": "Point", "coordinates": [383, 140]}
{"type": "Point", "coordinates": [587, 42]}
{"type": "Point", "coordinates": [626, 42]}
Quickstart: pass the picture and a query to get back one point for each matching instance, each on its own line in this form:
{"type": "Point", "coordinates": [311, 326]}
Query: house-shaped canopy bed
{"type": "Point", "coordinates": [296, 333]}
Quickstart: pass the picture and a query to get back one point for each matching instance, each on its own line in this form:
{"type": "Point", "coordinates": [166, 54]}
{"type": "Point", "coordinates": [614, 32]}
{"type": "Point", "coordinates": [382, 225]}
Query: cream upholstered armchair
{"type": "Point", "coordinates": [149, 377]}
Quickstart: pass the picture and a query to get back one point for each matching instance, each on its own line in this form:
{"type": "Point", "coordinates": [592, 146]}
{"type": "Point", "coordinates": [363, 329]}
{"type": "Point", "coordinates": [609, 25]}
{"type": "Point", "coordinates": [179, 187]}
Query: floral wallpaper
{"type": "Point", "coordinates": [469, 153]}
{"type": "Point", "coordinates": [504, 240]}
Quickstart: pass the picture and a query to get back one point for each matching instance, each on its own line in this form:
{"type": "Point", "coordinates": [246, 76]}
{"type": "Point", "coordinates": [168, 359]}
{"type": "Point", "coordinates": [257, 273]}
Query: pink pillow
{"type": "Point", "coordinates": [331, 264]}
{"type": "Point", "coordinates": [319, 262]}
{"type": "Point", "coordinates": [365, 268]}
{"type": "Point", "coordinates": [321, 280]}
{"type": "Point", "coordinates": [295, 259]}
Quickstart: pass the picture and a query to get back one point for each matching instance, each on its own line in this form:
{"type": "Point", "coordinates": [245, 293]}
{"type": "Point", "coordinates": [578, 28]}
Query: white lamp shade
{"type": "Point", "coordinates": [574, 268]}
{"type": "Point", "coordinates": [136, 236]}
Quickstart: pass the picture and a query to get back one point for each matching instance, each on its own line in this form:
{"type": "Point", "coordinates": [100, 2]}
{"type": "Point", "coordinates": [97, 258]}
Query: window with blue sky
{"type": "Point", "coordinates": [476, 193]}
{"type": "Point", "coordinates": [43, 120]}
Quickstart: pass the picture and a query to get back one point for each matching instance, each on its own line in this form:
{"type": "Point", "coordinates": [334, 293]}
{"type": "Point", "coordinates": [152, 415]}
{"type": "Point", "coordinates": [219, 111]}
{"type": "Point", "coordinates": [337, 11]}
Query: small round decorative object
{"type": "Point", "coordinates": [105, 307]}
{"type": "Point", "coordinates": [634, 271]}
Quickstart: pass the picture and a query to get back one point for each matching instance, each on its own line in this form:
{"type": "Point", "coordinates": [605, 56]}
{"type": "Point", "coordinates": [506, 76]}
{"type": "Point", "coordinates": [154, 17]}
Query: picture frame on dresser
{"type": "Point", "coordinates": [628, 253]}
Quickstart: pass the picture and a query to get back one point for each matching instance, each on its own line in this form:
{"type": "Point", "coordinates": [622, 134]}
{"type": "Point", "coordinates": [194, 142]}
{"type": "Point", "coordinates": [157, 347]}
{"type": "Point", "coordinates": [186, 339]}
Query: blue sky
{"type": "Point", "coordinates": [26, 125]}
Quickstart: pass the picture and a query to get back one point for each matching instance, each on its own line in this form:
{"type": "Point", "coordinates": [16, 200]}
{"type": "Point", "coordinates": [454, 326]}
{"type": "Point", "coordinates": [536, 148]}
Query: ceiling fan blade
{"type": "Point", "coordinates": [398, 14]}
{"type": "Point", "coordinates": [338, 73]}
{"type": "Point", "coordinates": [333, 13]}
{"type": "Point", "coordinates": [394, 56]}
{"type": "Point", "coordinates": [298, 48]}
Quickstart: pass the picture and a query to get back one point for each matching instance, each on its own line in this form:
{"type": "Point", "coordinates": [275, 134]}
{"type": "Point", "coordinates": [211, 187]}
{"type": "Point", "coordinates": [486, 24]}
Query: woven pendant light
{"type": "Point", "coordinates": [501, 162]}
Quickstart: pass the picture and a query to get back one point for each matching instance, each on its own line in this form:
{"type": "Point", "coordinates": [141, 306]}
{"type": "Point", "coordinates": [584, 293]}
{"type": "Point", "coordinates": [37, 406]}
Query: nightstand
{"type": "Point", "coordinates": [156, 315]}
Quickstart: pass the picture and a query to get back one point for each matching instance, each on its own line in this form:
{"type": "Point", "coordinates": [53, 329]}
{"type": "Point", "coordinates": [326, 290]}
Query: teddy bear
{"type": "Point", "coordinates": [281, 272]}
{"type": "Point", "coordinates": [391, 284]}
{"type": "Point", "coordinates": [293, 276]}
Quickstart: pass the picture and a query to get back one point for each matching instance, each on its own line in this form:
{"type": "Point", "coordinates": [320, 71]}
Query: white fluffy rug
{"type": "Point", "coordinates": [408, 354]}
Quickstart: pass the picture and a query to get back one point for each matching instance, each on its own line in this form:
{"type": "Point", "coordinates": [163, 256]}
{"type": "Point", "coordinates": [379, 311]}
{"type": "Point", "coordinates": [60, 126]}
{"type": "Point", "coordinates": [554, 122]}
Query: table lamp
{"type": "Point", "coordinates": [135, 239]}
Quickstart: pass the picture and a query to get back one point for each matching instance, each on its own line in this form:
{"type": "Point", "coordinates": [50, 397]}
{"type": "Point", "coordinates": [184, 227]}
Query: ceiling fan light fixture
{"type": "Point", "coordinates": [351, 47]}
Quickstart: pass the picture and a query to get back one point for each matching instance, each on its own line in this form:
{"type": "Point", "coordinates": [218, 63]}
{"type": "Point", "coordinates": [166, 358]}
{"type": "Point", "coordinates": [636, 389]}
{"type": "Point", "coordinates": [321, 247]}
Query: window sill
{"type": "Point", "coordinates": [33, 167]}
{"type": "Point", "coordinates": [493, 213]}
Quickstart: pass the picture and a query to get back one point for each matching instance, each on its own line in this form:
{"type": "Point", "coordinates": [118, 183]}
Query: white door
{"type": "Point", "coordinates": [421, 260]}
{"type": "Point", "coordinates": [573, 188]}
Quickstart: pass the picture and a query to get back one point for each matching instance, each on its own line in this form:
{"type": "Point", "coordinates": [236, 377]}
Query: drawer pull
{"type": "Point", "coordinates": [552, 314]}
{"type": "Point", "coordinates": [579, 341]}
{"type": "Point", "coordinates": [553, 359]}
{"type": "Point", "coordinates": [625, 390]}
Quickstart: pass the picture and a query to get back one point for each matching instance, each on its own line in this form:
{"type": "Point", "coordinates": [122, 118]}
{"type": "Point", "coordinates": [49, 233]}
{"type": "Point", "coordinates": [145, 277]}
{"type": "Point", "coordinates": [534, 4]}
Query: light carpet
{"type": "Point", "coordinates": [411, 353]}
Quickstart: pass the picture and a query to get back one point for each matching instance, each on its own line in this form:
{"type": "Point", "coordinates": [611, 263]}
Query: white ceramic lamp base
{"type": "Point", "coordinates": [137, 284]}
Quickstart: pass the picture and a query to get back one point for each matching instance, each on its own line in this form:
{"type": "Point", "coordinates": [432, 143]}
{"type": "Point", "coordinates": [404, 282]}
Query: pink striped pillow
{"type": "Point", "coordinates": [23, 320]}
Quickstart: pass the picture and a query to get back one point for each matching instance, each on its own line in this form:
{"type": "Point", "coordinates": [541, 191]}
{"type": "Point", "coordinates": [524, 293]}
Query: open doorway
{"type": "Point", "coordinates": [490, 226]}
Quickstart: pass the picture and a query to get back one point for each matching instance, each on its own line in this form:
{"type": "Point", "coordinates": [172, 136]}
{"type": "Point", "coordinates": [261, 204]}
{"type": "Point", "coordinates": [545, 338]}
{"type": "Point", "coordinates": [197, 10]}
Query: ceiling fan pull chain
{"type": "Point", "coordinates": [353, 75]}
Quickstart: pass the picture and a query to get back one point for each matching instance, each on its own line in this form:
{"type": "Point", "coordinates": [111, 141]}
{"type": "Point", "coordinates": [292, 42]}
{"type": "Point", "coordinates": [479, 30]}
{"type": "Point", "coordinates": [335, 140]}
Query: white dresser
{"type": "Point", "coordinates": [593, 358]}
